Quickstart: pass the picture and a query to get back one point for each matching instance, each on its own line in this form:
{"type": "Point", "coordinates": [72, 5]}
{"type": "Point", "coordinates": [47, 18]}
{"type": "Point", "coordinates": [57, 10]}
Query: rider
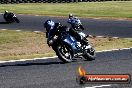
{"type": "Point", "coordinates": [72, 20]}
{"type": "Point", "coordinates": [5, 14]}
{"type": "Point", "coordinates": [8, 15]}
{"type": "Point", "coordinates": [53, 27]}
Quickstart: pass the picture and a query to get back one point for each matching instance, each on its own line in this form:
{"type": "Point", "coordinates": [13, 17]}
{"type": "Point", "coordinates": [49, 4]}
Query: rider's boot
{"type": "Point", "coordinates": [84, 42]}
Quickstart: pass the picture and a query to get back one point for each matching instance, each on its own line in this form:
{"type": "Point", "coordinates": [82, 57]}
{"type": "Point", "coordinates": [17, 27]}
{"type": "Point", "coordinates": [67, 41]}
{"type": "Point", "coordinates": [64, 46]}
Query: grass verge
{"type": "Point", "coordinates": [121, 9]}
{"type": "Point", "coordinates": [24, 45]}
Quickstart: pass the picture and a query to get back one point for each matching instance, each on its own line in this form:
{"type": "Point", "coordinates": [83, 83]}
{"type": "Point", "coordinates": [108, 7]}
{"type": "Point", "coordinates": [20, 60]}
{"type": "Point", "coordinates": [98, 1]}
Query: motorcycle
{"type": "Point", "coordinates": [67, 47]}
{"type": "Point", "coordinates": [9, 18]}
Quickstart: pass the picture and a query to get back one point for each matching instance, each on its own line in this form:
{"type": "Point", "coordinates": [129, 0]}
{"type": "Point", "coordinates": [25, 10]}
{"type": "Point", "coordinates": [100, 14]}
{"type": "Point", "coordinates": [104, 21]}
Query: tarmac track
{"type": "Point", "coordinates": [97, 27]}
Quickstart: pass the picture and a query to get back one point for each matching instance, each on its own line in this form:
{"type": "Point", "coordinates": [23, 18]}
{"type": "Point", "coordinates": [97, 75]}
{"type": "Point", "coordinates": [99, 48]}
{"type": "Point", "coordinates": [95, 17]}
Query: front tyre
{"type": "Point", "coordinates": [16, 20]}
{"type": "Point", "coordinates": [89, 54]}
{"type": "Point", "coordinates": [64, 53]}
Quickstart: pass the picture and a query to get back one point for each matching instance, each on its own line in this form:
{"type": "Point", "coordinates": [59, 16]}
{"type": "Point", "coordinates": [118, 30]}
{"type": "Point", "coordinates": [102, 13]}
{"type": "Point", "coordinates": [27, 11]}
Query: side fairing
{"type": "Point", "coordinates": [72, 43]}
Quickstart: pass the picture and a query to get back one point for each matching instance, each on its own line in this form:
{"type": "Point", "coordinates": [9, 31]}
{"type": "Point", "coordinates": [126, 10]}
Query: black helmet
{"type": "Point", "coordinates": [48, 24]}
{"type": "Point", "coordinates": [70, 15]}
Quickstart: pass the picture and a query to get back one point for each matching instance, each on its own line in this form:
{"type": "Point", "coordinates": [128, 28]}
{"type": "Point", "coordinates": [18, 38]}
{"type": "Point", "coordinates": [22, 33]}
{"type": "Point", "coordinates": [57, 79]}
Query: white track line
{"type": "Point", "coordinates": [4, 29]}
{"type": "Point", "coordinates": [36, 15]}
{"type": "Point", "coordinates": [122, 19]}
{"type": "Point", "coordinates": [103, 37]}
{"type": "Point", "coordinates": [27, 59]}
{"type": "Point", "coordinates": [89, 35]}
{"type": "Point", "coordinates": [98, 86]}
{"type": "Point", "coordinates": [113, 50]}
{"type": "Point", "coordinates": [116, 37]}
{"type": "Point", "coordinates": [96, 18]}
{"type": "Point", "coordinates": [18, 30]}
{"type": "Point", "coordinates": [100, 36]}
{"type": "Point", "coordinates": [36, 31]}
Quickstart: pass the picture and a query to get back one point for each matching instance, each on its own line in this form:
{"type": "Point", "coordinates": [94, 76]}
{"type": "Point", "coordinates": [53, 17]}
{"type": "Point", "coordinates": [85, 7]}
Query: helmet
{"type": "Point", "coordinates": [70, 15]}
{"type": "Point", "coordinates": [49, 24]}
{"type": "Point", "coordinates": [6, 11]}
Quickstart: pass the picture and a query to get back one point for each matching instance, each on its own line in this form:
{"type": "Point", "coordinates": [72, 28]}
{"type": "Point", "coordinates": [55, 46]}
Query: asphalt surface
{"type": "Point", "coordinates": [52, 73]}
{"type": "Point", "coordinates": [97, 27]}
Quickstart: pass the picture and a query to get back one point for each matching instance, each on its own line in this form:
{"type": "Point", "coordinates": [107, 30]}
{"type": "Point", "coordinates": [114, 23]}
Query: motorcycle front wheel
{"type": "Point", "coordinates": [16, 20]}
{"type": "Point", "coordinates": [64, 53]}
{"type": "Point", "coordinates": [89, 54]}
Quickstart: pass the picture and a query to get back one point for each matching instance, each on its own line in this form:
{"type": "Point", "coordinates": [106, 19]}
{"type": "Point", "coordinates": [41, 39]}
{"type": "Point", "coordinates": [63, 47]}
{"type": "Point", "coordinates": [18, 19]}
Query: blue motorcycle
{"type": "Point", "coordinates": [67, 47]}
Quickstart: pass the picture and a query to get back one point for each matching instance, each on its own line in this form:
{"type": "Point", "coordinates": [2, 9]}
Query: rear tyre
{"type": "Point", "coordinates": [64, 53]}
{"type": "Point", "coordinates": [7, 20]}
{"type": "Point", "coordinates": [89, 54]}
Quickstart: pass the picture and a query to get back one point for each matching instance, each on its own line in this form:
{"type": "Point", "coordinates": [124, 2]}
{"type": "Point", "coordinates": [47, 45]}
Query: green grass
{"type": "Point", "coordinates": [110, 9]}
{"type": "Point", "coordinates": [110, 43]}
{"type": "Point", "coordinates": [26, 45]}
{"type": "Point", "coordinates": [16, 45]}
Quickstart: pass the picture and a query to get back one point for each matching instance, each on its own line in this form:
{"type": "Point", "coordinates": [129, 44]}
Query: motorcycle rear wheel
{"type": "Point", "coordinates": [89, 54]}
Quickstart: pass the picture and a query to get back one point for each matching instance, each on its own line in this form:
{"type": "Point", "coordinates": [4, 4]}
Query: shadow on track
{"type": "Point", "coordinates": [31, 64]}
{"type": "Point", "coordinates": [4, 22]}
{"type": "Point", "coordinates": [39, 63]}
